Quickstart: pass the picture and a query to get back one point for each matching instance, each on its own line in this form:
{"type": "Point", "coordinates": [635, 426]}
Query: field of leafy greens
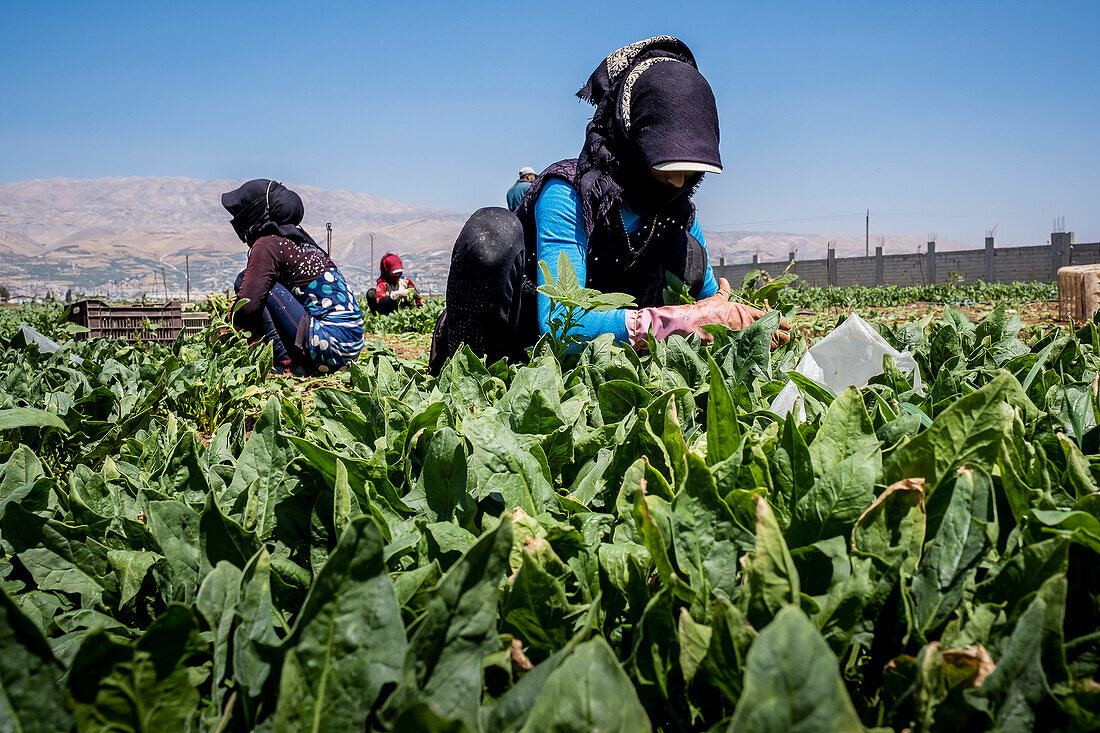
{"type": "Point", "coordinates": [593, 541]}
{"type": "Point", "coordinates": [1008, 294]}
{"type": "Point", "coordinates": [404, 320]}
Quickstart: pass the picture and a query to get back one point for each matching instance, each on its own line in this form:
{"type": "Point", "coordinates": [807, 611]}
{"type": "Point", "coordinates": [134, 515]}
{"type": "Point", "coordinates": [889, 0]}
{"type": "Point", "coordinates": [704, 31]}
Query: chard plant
{"type": "Point", "coordinates": [597, 540]}
{"type": "Point", "coordinates": [570, 303]}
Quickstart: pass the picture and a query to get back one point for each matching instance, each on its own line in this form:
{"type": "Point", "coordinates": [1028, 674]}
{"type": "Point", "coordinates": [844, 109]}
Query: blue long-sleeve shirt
{"type": "Point", "coordinates": [559, 222]}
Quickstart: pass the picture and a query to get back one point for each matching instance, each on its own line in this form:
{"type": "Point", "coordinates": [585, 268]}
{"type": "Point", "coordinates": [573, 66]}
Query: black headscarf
{"type": "Point", "coordinates": [263, 207]}
{"type": "Point", "coordinates": [652, 106]}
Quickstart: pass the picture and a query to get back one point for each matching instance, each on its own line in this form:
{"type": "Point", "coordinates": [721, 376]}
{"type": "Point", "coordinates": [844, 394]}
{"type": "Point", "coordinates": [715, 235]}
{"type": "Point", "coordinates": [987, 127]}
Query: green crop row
{"type": "Point", "coordinates": [886, 296]}
{"type": "Point", "coordinates": [596, 540]}
{"type": "Point", "coordinates": [404, 320]}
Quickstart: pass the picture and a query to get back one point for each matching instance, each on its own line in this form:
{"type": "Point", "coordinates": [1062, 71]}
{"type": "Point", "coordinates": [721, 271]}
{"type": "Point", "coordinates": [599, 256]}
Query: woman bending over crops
{"type": "Point", "coordinates": [297, 298]}
{"type": "Point", "coordinates": [621, 212]}
{"type": "Point", "coordinates": [392, 290]}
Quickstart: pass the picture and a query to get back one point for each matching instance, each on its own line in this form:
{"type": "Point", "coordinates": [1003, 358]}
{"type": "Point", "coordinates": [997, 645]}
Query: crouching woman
{"type": "Point", "coordinates": [621, 212]}
{"type": "Point", "coordinates": [297, 298]}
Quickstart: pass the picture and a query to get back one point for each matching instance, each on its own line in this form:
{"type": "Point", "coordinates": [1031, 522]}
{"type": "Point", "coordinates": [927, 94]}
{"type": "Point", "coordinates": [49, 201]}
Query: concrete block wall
{"type": "Point", "coordinates": [1010, 264]}
{"type": "Point", "coordinates": [1022, 264]}
{"type": "Point", "coordinates": [854, 270]}
{"type": "Point", "coordinates": [1085, 254]}
{"type": "Point", "coordinates": [902, 269]}
{"type": "Point", "coordinates": [736, 273]}
{"type": "Point", "coordinates": [968, 264]}
{"type": "Point", "coordinates": [816, 271]}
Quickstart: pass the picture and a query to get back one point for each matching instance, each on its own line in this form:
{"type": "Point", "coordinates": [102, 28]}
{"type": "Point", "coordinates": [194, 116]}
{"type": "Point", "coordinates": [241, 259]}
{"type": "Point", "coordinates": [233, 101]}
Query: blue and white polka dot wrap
{"type": "Point", "coordinates": [336, 326]}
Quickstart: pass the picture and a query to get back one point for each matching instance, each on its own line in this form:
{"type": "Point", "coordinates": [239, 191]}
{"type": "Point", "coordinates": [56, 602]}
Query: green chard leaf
{"type": "Point", "coordinates": [30, 697]}
{"type": "Point", "coordinates": [348, 642]}
{"type": "Point", "coordinates": [792, 682]}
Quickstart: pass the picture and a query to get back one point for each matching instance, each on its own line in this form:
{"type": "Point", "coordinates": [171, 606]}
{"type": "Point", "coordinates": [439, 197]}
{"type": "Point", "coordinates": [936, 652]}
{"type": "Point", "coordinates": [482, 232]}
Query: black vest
{"type": "Point", "coordinates": [616, 263]}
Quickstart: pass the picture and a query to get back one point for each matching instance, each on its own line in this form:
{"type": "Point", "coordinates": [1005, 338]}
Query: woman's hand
{"type": "Point", "coordinates": [686, 319]}
{"type": "Point", "coordinates": [719, 310]}
{"type": "Point", "coordinates": [736, 316]}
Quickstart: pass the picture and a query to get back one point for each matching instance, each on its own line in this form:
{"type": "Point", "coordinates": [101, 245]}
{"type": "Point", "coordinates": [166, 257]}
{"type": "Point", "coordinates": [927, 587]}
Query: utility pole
{"type": "Point", "coordinates": [164, 279]}
{"type": "Point", "coordinates": [372, 250]}
{"type": "Point", "coordinates": [187, 265]}
{"type": "Point", "coordinates": [328, 229]}
{"type": "Point", "coordinates": [867, 236]}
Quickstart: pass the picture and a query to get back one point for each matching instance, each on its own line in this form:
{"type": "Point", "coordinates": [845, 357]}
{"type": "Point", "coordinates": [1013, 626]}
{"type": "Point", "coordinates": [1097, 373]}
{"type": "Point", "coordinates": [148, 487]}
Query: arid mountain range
{"type": "Point", "coordinates": [125, 237]}
{"type": "Point", "coordinates": [114, 234]}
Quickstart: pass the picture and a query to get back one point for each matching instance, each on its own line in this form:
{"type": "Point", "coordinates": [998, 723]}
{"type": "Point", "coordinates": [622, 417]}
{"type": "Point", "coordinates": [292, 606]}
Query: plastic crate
{"type": "Point", "coordinates": [1078, 292]}
{"type": "Point", "coordinates": [156, 323]}
{"type": "Point", "coordinates": [194, 322]}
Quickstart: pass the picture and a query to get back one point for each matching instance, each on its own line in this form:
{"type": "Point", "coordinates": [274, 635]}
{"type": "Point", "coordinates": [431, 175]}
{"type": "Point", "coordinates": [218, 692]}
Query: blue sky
{"type": "Point", "coordinates": [946, 117]}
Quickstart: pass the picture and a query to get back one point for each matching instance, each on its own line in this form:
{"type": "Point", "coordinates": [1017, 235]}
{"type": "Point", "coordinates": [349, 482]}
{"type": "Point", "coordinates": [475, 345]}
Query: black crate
{"type": "Point", "coordinates": [157, 323]}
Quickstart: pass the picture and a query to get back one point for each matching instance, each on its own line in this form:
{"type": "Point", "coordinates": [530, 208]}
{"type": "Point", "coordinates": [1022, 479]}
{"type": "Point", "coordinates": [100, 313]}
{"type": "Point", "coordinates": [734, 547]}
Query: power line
{"type": "Point", "coordinates": [880, 214]}
{"type": "Point", "coordinates": [784, 221]}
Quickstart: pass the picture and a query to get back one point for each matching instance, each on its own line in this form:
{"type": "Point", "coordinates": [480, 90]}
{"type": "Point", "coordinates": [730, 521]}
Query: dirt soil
{"type": "Point", "coordinates": [406, 345]}
{"type": "Point", "coordinates": [1036, 317]}
{"type": "Point", "coordinates": [1040, 313]}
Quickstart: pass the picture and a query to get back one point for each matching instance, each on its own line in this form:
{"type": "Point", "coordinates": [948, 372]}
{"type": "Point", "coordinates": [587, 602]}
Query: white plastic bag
{"type": "Point", "coordinates": [847, 356]}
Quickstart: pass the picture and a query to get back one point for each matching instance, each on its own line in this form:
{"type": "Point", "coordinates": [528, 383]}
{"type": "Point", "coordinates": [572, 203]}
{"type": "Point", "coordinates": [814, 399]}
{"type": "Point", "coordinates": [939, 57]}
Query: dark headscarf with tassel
{"type": "Point", "coordinates": [652, 106]}
{"type": "Point", "coordinates": [264, 207]}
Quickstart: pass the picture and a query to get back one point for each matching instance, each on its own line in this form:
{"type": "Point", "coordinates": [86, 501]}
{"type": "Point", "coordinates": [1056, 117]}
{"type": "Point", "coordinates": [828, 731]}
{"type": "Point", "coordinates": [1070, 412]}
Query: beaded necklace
{"type": "Point", "coordinates": [638, 242]}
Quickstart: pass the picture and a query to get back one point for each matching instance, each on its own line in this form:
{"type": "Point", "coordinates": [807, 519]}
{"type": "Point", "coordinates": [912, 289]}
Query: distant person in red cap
{"type": "Point", "coordinates": [393, 290]}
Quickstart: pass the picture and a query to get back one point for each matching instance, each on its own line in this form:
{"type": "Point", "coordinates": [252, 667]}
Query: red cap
{"type": "Point", "coordinates": [391, 263]}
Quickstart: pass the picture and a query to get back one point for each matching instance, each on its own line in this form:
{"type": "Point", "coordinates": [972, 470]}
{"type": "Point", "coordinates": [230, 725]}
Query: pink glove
{"type": "Point", "coordinates": [683, 320]}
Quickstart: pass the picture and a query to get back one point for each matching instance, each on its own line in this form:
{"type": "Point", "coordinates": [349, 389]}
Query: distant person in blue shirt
{"type": "Point", "coordinates": [621, 212]}
{"type": "Point", "coordinates": [527, 176]}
